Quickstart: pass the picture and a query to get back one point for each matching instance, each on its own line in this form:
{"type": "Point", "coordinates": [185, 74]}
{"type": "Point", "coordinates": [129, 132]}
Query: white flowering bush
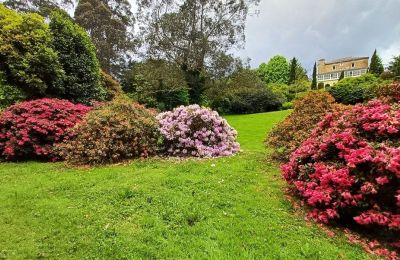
{"type": "Point", "coordinates": [197, 131]}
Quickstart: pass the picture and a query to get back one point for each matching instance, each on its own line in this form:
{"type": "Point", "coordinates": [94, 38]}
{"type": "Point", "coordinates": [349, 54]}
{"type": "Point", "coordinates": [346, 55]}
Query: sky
{"type": "Point", "coordinates": [322, 29]}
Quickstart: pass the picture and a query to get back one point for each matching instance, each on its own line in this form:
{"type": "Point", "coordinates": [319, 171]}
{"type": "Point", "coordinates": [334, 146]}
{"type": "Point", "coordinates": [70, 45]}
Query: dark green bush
{"type": "Point", "coordinates": [111, 133]}
{"type": "Point", "coordinates": [77, 55]}
{"type": "Point", "coordinates": [356, 90]}
{"type": "Point", "coordinates": [158, 84]}
{"type": "Point", "coordinates": [242, 93]}
{"type": "Point", "coordinates": [27, 60]}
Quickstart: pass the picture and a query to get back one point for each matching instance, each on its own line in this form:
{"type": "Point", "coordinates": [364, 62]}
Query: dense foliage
{"type": "Point", "coordinates": [389, 92]}
{"type": "Point", "coordinates": [197, 131]}
{"type": "Point", "coordinates": [349, 168]}
{"type": "Point", "coordinates": [27, 61]}
{"type": "Point", "coordinates": [356, 90]}
{"type": "Point", "coordinates": [77, 56]}
{"type": "Point", "coordinates": [394, 66]}
{"type": "Point", "coordinates": [275, 71]}
{"type": "Point", "coordinates": [158, 84]}
{"type": "Point", "coordinates": [376, 65]}
{"type": "Point", "coordinates": [31, 129]}
{"type": "Point", "coordinates": [111, 133]}
{"type": "Point", "coordinates": [291, 132]}
{"type": "Point", "coordinates": [242, 93]}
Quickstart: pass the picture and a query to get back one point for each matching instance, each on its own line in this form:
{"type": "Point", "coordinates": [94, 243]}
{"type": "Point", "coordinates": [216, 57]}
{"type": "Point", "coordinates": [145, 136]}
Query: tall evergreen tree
{"type": "Point", "coordinates": [110, 25]}
{"type": "Point", "coordinates": [292, 71]}
{"type": "Point", "coordinates": [314, 77]}
{"type": "Point", "coordinates": [394, 66]}
{"type": "Point", "coordinates": [376, 66]}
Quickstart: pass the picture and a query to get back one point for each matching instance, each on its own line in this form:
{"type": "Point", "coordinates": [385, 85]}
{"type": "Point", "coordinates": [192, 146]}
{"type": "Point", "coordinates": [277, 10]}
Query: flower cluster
{"type": "Point", "coordinates": [31, 129]}
{"type": "Point", "coordinates": [350, 167]}
{"type": "Point", "coordinates": [197, 131]}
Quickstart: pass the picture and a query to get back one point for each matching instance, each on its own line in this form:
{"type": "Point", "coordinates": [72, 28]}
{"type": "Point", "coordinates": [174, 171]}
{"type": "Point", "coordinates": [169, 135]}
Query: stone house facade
{"type": "Point", "coordinates": [328, 72]}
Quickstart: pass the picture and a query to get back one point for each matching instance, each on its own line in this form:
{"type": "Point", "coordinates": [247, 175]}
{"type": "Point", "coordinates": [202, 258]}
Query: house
{"type": "Point", "coordinates": [328, 72]}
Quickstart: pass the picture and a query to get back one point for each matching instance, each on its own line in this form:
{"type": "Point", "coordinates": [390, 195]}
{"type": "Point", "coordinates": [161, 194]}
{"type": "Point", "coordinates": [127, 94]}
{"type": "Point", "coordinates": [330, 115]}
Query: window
{"type": "Point", "coordinates": [352, 65]}
{"type": "Point", "coordinates": [334, 67]}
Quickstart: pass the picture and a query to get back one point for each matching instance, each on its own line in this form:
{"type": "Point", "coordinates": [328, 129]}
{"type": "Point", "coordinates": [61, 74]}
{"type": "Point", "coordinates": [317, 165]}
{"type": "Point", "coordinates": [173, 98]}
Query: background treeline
{"type": "Point", "coordinates": [180, 54]}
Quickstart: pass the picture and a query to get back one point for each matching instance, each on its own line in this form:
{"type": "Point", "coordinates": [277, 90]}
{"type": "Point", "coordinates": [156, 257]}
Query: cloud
{"type": "Point", "coordinates": [311, 30]}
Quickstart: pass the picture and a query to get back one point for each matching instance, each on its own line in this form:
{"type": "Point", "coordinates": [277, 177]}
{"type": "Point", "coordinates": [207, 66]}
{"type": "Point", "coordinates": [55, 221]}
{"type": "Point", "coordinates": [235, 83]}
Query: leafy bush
{"type": "Point", "coordinates": [349, 168]}
{"type": "Point", "coordinates": [29, 130]}
{"type": "Point", "coordinates": [112, 133]}
{"type": "Point", "coordinates": [77, 55]}
{"type": "Point", "coordinates": [390, 92]}
{"type": "Point", "coordinates": [242, 93]}
{"type": "Point", "coordinates": [275, 71]}
{"type": "Point", "coordinates": [111, 86]}
{"type": "Point", "coordinates": [308, 111]}
{"type": "Point", "coordinates": [158, 84]}
{"type": "Point", "coordinates": [27, 60]}
{"type": "Point", "coordinates": [197, 131]}
{"type": "Point", "coordinates": [9, 94]}
{"type": "Point", "coordinates": [356, 90]}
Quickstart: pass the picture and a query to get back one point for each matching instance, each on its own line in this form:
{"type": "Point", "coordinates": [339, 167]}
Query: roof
{"type": "Point", "coordinates": [346, 59]}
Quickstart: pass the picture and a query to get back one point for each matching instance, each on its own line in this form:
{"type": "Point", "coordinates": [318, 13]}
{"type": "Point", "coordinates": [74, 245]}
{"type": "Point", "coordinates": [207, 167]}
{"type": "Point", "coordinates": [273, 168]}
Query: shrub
{"type": "Point", "coordinates": [111, 86]}
{"type": "Point", "coordinates": [197, 131]}
{"type": "Point", "coordinates": [356, 90]}
{"type": "Point", "coordinates": [27, 60]}
{"type": "Point", "coordinates": [158, 84]}
{"type": "Point", "coordinates": [29, 130]}
{"type": "Point", "coordinates": [242, 93]}
{"type": "Point", "coordinates": [77, 55]}
{"type": "Point", "coordinates": [9, 94]}
{"type": "Point", "coordinates": [349, 168]}
{"type": "Point", "coordinates": [308, 111]}
{"type": "Point", "coordinates": [112, 133]}
{"type": "Point", "coordinates": [390, 92]}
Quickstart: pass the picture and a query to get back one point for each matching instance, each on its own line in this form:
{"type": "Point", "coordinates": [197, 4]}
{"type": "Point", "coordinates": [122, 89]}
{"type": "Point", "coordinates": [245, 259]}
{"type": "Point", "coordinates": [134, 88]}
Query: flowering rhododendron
{"type": "Point", "coordinates": [197, 131]}
{"type": "Point", "coordinates": [30, 129]}
{"type": "Point", "coordinates": [349, 167]}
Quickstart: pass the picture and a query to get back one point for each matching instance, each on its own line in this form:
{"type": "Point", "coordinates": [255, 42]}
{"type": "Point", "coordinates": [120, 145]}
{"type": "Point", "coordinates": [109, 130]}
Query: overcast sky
{"type": "Point", "coordinates": [316, 29]}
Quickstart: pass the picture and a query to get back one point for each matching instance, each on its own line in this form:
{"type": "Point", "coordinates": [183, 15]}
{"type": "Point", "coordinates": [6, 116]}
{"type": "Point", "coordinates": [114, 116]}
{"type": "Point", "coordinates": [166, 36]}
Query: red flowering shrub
{"type": "Point", "coordinates": [349, 168]}
{"type": "Point", "coordinates": [29, 130]}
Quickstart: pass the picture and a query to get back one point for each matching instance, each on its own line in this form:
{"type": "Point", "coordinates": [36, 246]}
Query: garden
{"type": "Point", "coordinates": [180, 158]}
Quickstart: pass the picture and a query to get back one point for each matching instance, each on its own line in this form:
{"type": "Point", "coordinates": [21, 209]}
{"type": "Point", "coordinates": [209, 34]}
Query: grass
{"type": "Point", "coordinates": [225, 208]}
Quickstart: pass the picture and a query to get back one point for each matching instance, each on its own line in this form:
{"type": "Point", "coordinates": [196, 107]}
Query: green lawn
{"type": "Point", "coordinates": [226, 208]}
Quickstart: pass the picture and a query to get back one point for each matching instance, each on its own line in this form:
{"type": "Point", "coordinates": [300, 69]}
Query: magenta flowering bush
{"type": "Point", "coordinates": [197, 131]}
{"type": "Point", "coordinates": [349, 168]}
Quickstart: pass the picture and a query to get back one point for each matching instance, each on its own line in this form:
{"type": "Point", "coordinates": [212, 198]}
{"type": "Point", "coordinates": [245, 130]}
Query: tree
{"type": "Point", "coordinates": [292, 73]}
{"type": "Point", "coordinates": [43, 7]}
{"type": "Point", "coordinates": [77, 55]}
{"type": "Point", "coordinates": [296, 71]}
{"type": "Point", "coordinates": [110, 25]}
{"type": "Point", "coordinates": [192, 33]}
{"type": "Point", "coordinates": [275, 71]}
{"type": "Point", "coordinates": [314, 77]}
{"type": "Point", "coordinates": [394, 66]}
{"type": "Point", "coordinates": [376, 66]}
{"type": "Point", "coordinates": [27, 61]}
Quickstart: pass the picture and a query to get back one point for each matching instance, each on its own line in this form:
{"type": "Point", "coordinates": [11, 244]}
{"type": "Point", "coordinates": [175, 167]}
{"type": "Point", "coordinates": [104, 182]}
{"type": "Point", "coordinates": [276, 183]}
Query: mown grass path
{"type": "Point", "coordinates": [225, 208]}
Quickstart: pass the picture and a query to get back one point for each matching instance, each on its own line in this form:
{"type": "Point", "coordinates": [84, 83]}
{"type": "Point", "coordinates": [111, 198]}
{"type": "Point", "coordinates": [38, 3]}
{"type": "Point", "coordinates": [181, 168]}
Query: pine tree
{"type": "Point", "coordinates": [292, 71]}
{"type": "Point", "coordinates": [314, 77]}
{"type": "Point", "coordinates": [376, 66]}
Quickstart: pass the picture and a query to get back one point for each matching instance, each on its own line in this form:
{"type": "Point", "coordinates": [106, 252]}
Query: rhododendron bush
{"type": "Point", "coordinates": [349, 168]}
{"type": "Point", "coordinates": [29, 130]}
{"type": "Point", "coordinates": [111, 133]}
{"type": "Point", "coordinates": [197, 131]}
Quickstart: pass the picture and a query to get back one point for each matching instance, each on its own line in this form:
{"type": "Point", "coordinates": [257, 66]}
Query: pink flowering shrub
{"type": "Point", "coordinates": [349, 168]}
{"type": "Point", "coordinates": [197, 131]}
{"type": "Point", "coordinates": [29, 130]}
